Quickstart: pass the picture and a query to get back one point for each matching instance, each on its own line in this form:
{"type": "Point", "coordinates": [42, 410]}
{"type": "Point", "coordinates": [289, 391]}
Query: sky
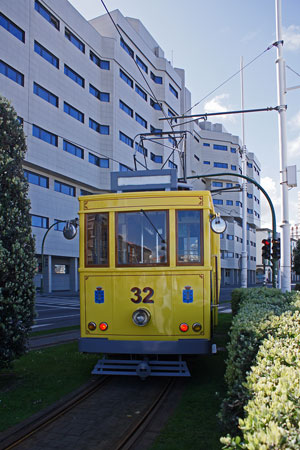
{"type": "Point", "coordinates": [207, 39]}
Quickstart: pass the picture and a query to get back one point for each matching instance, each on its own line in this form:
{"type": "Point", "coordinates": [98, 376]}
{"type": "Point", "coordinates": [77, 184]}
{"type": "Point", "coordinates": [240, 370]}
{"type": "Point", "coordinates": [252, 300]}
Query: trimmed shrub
{"type": "Point", "coordinates": [273, 411]}
{"type": "Point", "coordinates": [17, 255]}
{"type": "Point", "coordinates": [252, 324]}
{"type": "Point", "coordinates": [237, 296]}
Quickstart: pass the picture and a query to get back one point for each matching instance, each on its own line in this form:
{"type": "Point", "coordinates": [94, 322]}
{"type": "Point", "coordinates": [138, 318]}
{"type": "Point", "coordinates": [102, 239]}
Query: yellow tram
{"type": "Point", "coordinates": [149, 278]}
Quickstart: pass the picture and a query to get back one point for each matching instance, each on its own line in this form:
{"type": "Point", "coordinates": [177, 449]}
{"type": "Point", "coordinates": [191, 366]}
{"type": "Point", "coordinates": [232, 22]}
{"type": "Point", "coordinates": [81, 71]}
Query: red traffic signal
{"type": "Point", "coordinates": [266, 249]}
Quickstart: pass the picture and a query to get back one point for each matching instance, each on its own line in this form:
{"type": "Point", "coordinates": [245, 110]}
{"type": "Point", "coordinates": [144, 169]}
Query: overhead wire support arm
{"type": "Point", "coordinates": [223, 113]}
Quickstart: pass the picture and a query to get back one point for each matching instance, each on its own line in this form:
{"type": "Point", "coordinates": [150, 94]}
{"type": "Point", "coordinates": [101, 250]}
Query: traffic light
{"type": "Point", "coordinates": [266, 249]}
{"type": "Point", "coordinates": [276, 248]}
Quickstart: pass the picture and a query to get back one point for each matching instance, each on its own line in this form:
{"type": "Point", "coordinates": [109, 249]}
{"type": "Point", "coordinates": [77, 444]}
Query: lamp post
{"type": "Point", "coordinates": [69, 232]}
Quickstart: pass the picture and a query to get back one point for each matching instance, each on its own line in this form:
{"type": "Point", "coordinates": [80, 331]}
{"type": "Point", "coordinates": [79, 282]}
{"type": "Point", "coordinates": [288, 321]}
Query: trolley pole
{"type": "Point", "coordinates": [244, 268]}
{"type": "Point", "coordinates": [281, 95]}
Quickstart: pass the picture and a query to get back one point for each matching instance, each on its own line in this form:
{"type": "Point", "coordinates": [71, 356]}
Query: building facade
{"type": "Point", "coordinates": [87, 94]}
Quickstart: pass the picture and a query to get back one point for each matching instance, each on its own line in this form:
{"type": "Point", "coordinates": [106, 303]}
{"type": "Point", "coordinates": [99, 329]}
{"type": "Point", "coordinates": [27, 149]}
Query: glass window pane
{"type": "Point", "coordinates": [97, 239]}
{"type": "Point", "coordinates": [189, 237]}
{"type": "Point", "coordinates": [142, 238]}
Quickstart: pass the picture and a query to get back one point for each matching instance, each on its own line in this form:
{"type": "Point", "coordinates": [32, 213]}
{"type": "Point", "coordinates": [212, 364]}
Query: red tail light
{"type": "Point", "coordinates": [103, 326]}
{"type": "Point", "coordinates": [183, 327]}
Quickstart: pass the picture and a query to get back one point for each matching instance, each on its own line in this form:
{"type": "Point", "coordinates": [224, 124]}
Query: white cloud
{"type": "Point", "coordinates": [291, 37]}
{"type": "Point", "coordinates": [218, 104]}
{"type": "Point", "coordinates": [294, 147]}
{"type": "Point", "coordinates": [294, 123]}
{"type": "Point", "coordinates": [273, 190]}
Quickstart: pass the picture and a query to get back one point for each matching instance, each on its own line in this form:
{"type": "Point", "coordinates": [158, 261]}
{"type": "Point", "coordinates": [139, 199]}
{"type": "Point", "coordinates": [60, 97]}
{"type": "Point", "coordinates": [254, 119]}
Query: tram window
{"type": "Point", "coordinates": [97, 239]}
{"type": "Point", "coordinates": [189, 237]}
{"type": "Point", "coordinates": [142, 238]}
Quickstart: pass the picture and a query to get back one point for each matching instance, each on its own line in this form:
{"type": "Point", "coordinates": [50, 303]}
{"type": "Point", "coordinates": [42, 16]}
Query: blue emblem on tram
{"type": "Point", "coordinates": [187, 294]}
{"type": "Point", "coordinates": [99, 295]}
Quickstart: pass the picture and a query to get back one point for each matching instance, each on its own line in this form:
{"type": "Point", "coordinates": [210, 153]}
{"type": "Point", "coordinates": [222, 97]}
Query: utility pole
{"type": "Point", "coordinates": [244, 271]}
{"type": "Point", "coordinates": [281, 96]}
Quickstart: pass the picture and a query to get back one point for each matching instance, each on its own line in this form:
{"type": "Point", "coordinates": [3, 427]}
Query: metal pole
{"type": "Point", "coordinates": [244, 271]}
{"type": "Point", "coordinates": [285, 241]}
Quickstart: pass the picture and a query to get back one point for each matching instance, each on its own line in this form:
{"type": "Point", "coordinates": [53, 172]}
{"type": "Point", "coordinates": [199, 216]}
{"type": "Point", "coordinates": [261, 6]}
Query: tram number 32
{"type": "Point", "coordinates": [138, 295]}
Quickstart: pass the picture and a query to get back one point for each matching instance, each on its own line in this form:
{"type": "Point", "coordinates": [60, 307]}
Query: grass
{"type": "Point", "coordinates": [194, 423]}
{"type": "Point", "coordinates": [39, 379]}
{"type": "Point", "coordinates": [42, 377]}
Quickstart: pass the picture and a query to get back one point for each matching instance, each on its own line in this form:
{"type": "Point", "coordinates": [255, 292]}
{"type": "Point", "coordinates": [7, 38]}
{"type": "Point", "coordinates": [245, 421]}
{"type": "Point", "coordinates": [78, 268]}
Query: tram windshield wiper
{"type": "Point", "coordinates": [153, 226]}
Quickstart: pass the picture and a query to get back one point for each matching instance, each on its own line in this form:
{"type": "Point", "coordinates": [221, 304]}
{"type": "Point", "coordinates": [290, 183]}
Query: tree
{"type": "Point", "coordinates": [296, 255]}
{"type": "Point", "coordinates": [17, 250]}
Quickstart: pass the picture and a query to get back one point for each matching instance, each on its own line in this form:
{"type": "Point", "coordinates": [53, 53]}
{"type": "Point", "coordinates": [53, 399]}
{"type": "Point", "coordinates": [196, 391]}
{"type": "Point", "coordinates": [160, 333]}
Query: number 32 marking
{"type": "Point", "coordinates": [138, 297]}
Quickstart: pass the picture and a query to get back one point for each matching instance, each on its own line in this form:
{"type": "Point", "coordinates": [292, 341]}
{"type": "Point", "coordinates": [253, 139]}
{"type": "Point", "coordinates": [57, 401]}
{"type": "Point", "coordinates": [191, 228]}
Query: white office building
{"type": "Point", "coordinates": [86, 94]}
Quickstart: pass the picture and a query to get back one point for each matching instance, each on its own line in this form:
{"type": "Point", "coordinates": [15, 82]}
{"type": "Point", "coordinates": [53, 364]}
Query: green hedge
{"type": "Point", "coordinates": [258, 316]}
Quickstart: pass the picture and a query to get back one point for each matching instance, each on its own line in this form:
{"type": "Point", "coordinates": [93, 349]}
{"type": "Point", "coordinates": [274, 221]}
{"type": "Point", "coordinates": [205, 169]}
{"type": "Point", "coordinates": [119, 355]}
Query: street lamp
{"type": "Point", "coordinates": [69, 232]}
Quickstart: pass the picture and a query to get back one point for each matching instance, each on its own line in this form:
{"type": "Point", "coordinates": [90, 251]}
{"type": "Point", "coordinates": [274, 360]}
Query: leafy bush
{"type": "Point", "coordinates": [273, 411]}
{"type": "Point", "coordinates": [252, 324]}
{"type": "Point", "coordinates": [17, 260]}
{"type": "Point", "coordinates": [236, 298]}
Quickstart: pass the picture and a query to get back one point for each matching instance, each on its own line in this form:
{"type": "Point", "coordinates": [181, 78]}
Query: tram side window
{"type": "Point", "coordinates": [189, 237]}
{"type": "Point", "coordinates": [97, 239]}
{"type": "Point", "coordinates": [142, 238]}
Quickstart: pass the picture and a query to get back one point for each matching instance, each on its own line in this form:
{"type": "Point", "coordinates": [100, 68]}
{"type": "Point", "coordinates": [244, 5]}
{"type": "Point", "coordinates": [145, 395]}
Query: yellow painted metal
{"type": "Point", "coordinates": [125, 289]}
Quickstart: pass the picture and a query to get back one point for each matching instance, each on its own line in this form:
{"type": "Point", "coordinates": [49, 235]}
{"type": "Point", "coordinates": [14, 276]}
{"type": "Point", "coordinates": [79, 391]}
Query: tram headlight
{"type": "Point", "coordinates": [197, 326]}
{"type": "Point", "coordinates": [141, 317]}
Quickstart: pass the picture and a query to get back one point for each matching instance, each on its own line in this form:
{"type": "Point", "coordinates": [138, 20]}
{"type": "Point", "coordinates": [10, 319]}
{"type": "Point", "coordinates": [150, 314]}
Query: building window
{"type": "Point", "coordinates": [173, 90]}
{"type": "Point", "coordinates": [233, 150]}
{"type": "Point", "coordinates": [12, 28]}
{"type": "Point", "coordinates": [155, 130]}
{"type": "Point", "coordinates": [44, 135]}
{"type": "Point", "coordinates": [102, 129]}
{"type": "Point", "coordinates": [141, 149]}
{"type": "Point", "coordinates": [103, 64]}
{"type": "Point", "coordinates": [172, 165]}
{"type": "Point", "coordinates": [126, 139]}
{"type": "Point", "coordinates": [172, 141]}
{"type": "Point", "coordinates": [11, 73]}
{"type": "Point", "coordinates": [217, 201]}
{"type": "Point", "coordinates": [229, 185]}
{"type": "Point", "coordinates": [238, 203]}
{"type": "Point", "coordinates": [59, 226]}
{"type": "Point", "coordinates": [74, 39]}
{"type": "Point", "coordinates": [249, 195]}
{"type": "Point", "coordinates": [141, 64]}
{"type": "Point", "coordinates": [45, 94]}
{"type": "Point", "coordinates": [126, 78]}
{"type": "Point", "coordinates": [123, 168]}
{"type": "Point", "coordinates": [126, 108]}
{"type": "Point", "coordinates": [73, 112]}
{"type": "Point", "coordinates": [140, 92]}
{"type": "Point", "coordinates": [217, 184]}
{"type": "Point", "coordinates": [73, 149]}
{"type": "Point", "coordinates": [39, 221]}
{"type": "Point", "coordinates": [206, 144]}
{"type": "Point", "coordinates": [126, 48]}
{"type": "Point", "coordinates": [156, 158]}
{"type": "Point", "coordinates": [100, 162]}
{"type": "Point", "coordinates": [44, 53]}
{"type": "Point", "coordinates": [206, 162]}
{"type": "Point", "coordinates": [155, 105]}
{"type": "Point", "coordinates": [84, 192]}
{"type": "Point", "coordinates": [37, 179]}
{"type": "Point", "coordinates": [74, 76]}
{"type": "Point", "coordinates": [221, 165]}
{"type": "Point", "coordinates": [230, 237]}
{"type": "Point", "coordinates": [102, 96]}
{"type": "Point", "coordinates": [220, 147]}
{"type": "Point", "coordinates": [20, 120]}
{"type": "Point", "coordinates": [172, 114]}
{"type": "Point", "coordinates": [46, 14]}
{"type": "Point", "coordinates": [250, 165]}
{"type": "Point", "coordinates": [64, 188]}
{"type": "Point", "coordinates": [229, 202]}
{"type": "Point", "coordinates": [233, 167]}
{"type": "Point", "coordinates": [140, 120]}
{"type": "Point", "coordinates": [249, 211]}
{"type": "Point", "coordinates": [156, 79]}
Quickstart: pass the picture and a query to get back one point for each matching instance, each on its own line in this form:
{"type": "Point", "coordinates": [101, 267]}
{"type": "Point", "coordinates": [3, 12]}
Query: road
{"type": "Point", "coordinates": [61, 309]}
{"type": "Point", "coordinates": [56, 311]}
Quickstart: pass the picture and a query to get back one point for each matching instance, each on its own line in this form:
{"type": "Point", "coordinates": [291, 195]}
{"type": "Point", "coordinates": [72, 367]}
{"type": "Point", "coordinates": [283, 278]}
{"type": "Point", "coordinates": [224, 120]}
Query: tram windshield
{"type": "Point", "coordinates": [189, 237]}
{"type": "Point", "coordinates": [97, 239]}
{"type": "Point", "coordinates": [142, 238]}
